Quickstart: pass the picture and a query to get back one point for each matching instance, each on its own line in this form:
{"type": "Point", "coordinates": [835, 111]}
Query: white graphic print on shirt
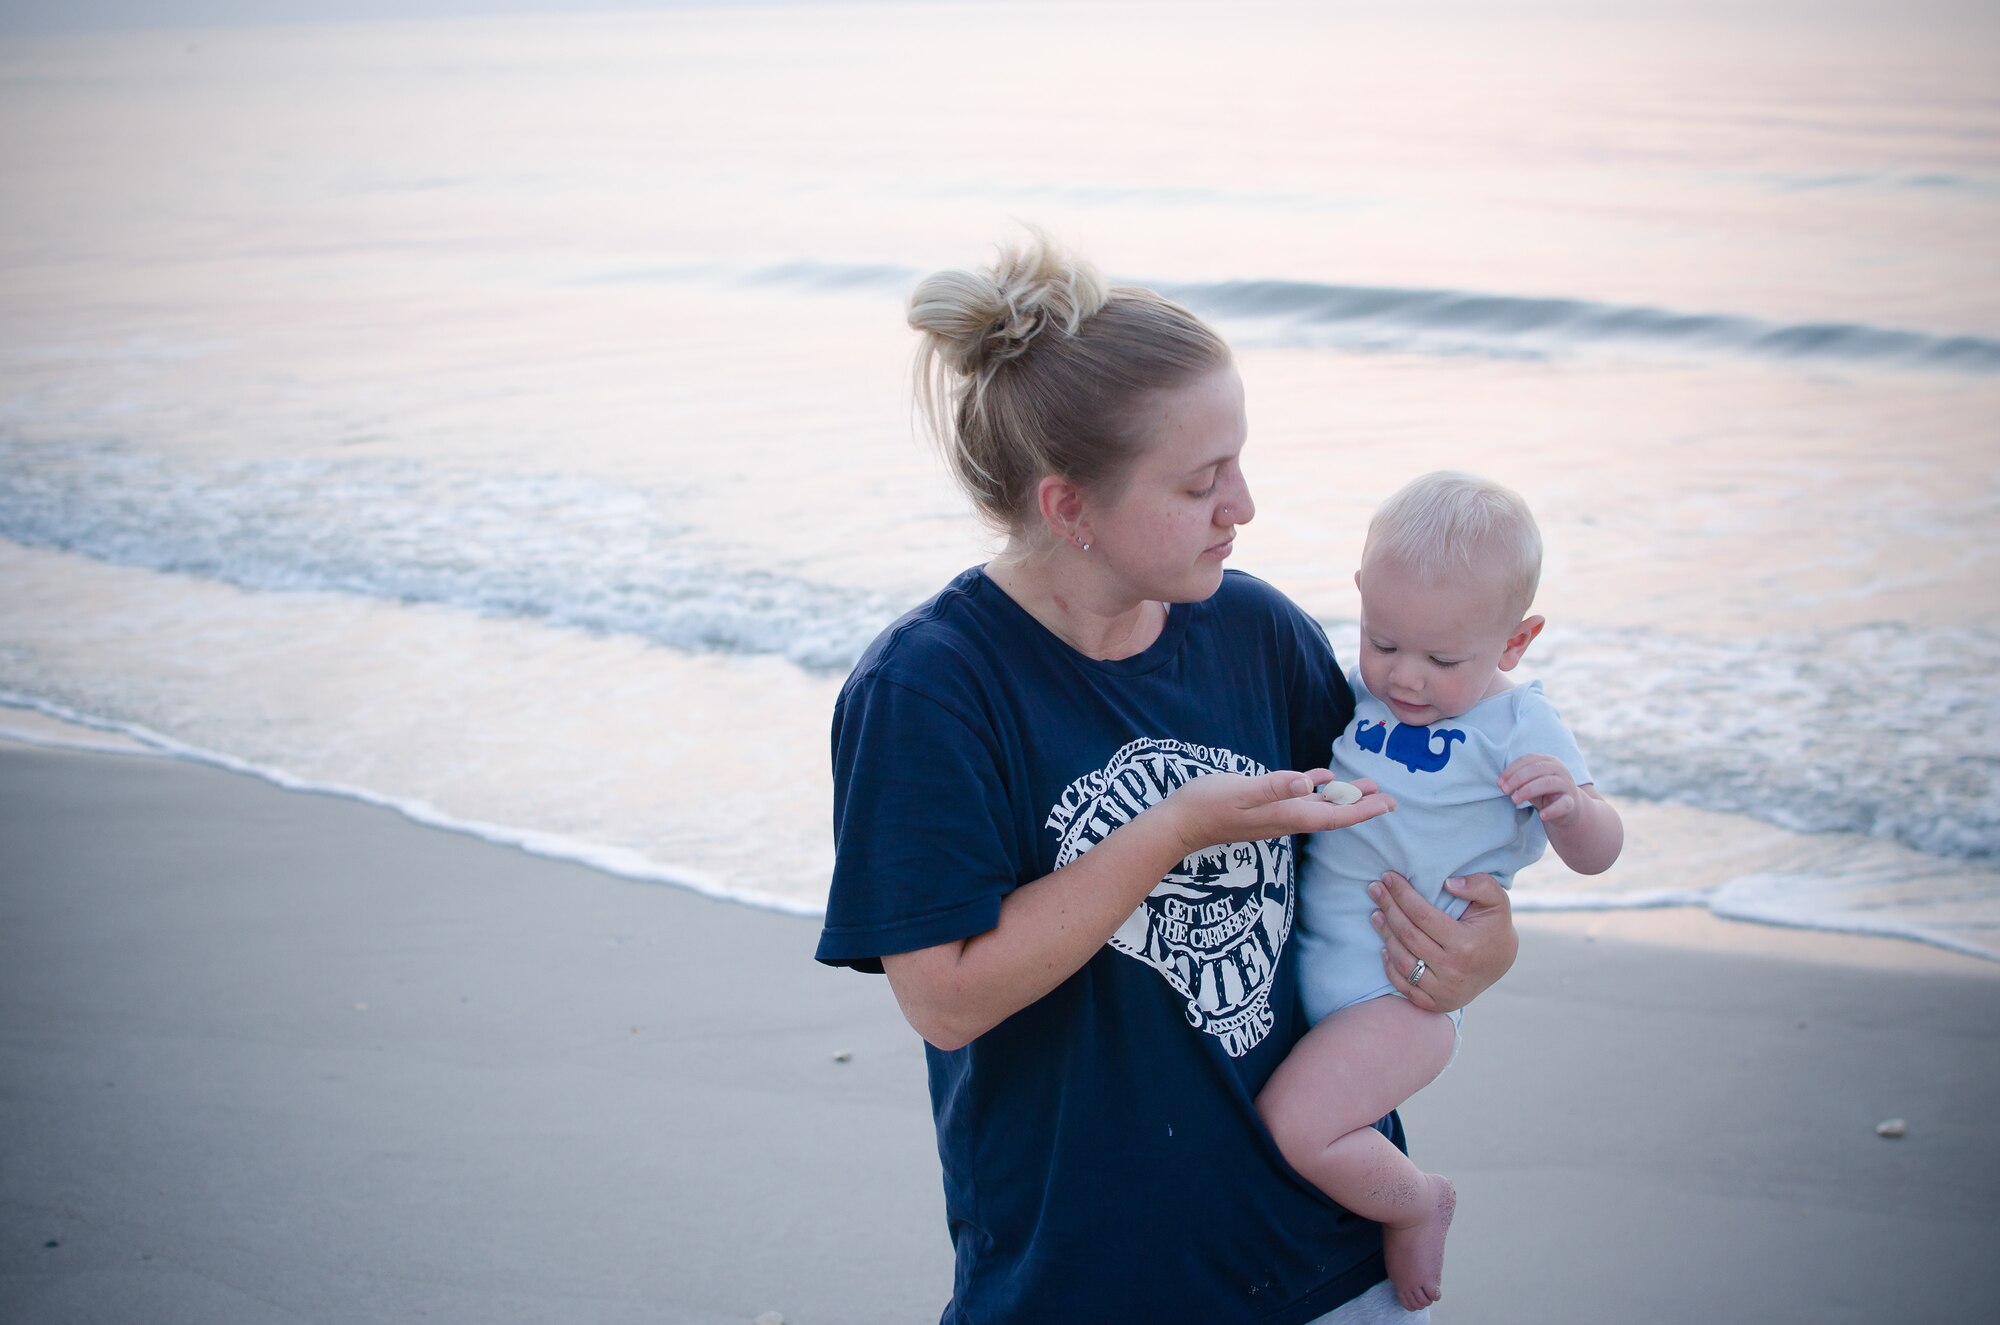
{"type": "Point", "coordinates": [1215, 925]}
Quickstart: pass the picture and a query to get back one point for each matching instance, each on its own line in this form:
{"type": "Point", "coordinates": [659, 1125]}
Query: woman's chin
{"type": "Point", "coordinates": [1199, 586]}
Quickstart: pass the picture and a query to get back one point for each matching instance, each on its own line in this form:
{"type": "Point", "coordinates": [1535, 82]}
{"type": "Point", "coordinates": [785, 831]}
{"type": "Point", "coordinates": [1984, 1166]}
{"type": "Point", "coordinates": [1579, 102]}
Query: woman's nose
{"type": "Point", "coordinates": [1240, 508]}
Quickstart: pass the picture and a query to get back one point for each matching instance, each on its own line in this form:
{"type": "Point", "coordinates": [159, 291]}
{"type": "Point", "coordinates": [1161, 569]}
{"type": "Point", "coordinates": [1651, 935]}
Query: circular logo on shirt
{"type": "Point", "coordinates": [1214, 926]}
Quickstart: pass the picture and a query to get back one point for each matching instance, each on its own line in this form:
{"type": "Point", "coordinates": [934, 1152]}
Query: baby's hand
{"type": "Point", "coordinates": [1544, 782]}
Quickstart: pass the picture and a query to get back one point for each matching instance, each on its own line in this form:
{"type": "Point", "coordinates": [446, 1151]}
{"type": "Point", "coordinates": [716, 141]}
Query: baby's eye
{"type": "Point", "coordinates": [1381, 648]}
{"type": "Point", "coordinates": [1447, 662]}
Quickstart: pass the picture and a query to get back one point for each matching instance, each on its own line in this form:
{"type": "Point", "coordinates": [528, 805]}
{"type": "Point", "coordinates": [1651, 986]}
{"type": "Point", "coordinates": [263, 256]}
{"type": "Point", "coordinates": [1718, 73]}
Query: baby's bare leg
{"type": "Point", "coordinates": [1351, 1069]}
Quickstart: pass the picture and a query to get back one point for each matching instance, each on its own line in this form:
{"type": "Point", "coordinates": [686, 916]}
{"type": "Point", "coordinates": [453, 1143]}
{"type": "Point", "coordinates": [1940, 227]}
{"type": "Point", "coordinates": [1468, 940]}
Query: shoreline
{"type": "Point", "coordinates": [279, 1052]}
{"type": "Point", "coordinates": [1696, 929]}
{"type": "Point", "coordinates": [30, 724]}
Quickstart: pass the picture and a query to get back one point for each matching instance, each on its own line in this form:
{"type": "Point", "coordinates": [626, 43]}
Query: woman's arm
{"type": "Point", "coordinates": [955, 992]}
{"type": "Point", "coordinates": [1461, 957]}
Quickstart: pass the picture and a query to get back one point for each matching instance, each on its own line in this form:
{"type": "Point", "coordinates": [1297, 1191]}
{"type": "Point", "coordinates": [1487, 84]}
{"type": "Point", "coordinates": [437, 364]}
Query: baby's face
{"type": "Point", "coordinates": [1431, 651]}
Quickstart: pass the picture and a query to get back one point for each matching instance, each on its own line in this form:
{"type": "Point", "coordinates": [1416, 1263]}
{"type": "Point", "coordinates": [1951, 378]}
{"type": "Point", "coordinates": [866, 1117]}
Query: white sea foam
{"type": "Point", "coordinates": [1909, 907]}
{"type": "Point", "coordinates": [620, 861]}
{"type": "Point", "coordinates": [1652, 899]}
{"type": "Point", "coordinates": [569, 551]}
{"type": "Point", "coordinates": [1887, 730]}
{"type": "Point", "coordinates": [1833, 885]}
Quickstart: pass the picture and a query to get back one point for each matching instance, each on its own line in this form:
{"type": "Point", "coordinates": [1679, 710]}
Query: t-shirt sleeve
{"type": "Point", "coordinates": [1540, 730]}
{"type": "Point", "coordinates": [922, 847]}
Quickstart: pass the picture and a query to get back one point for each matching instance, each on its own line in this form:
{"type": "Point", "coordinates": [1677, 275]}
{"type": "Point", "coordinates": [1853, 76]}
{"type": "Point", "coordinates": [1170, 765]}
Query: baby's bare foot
{"type": "Point", "coordinates": [1415, 1252]}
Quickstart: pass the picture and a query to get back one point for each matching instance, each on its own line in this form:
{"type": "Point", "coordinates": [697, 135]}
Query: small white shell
{"type": "Point", "coordinates": [1893, 1127]}
{"type": "Point", "coordinates": [1340, 793]}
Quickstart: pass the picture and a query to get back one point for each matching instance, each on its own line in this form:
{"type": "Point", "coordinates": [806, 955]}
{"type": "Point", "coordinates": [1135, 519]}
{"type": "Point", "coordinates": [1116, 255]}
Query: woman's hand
{"type": "Point", "coordinates": [1228, 807]}
{"type": "Point", "coordinates": [1461, 957]}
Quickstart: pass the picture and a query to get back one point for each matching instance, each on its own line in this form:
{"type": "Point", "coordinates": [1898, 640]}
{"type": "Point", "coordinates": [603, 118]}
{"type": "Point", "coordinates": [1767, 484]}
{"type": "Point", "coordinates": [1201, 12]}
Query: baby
{"type": "Point", "coordinates": [1484, 774]}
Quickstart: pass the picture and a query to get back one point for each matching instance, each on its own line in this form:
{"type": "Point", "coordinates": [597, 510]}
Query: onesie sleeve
{"type": "Point", "coordinates": [922, 850]}
{"type": "Point", "coordinates": [1540, 730]}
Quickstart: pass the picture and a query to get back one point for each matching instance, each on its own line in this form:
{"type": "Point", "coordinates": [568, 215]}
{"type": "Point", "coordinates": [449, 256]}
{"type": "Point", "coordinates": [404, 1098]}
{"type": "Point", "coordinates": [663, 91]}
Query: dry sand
{"type": "Point", "coordinates": [267, 1056]}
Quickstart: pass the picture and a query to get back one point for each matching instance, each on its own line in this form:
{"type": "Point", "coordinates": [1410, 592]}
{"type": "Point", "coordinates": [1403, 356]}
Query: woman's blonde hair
{"type": "Point", "coordinates": [1448, 524]}
{"type": "Point", "coordinates": [1031, 367]}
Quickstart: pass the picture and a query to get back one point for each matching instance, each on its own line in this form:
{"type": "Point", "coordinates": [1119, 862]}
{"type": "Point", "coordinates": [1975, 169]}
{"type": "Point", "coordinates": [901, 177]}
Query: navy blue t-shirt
{"type": "Point", "coordinates": [1103, 1159]}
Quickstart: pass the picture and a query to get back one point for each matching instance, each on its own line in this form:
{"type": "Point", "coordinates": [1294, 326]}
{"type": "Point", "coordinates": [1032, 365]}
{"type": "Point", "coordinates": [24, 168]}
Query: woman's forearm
{"type": "Point", "coordinates": [955, 992]}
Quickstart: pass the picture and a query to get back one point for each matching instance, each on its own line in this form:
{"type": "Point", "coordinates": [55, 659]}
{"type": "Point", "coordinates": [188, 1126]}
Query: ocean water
{"type": "Point", "coordinates": [507, 418]}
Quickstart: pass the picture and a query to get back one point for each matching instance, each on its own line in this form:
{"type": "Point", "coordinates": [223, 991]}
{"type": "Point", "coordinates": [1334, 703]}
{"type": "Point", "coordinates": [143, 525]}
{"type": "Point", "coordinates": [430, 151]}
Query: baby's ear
{"type": "Point", "coordinates": [1518, 641]}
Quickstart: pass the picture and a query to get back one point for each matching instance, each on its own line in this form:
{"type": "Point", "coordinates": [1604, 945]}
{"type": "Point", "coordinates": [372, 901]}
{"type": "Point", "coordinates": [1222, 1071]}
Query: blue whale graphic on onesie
{"type": "Point", "coordinates": [1413, 747]}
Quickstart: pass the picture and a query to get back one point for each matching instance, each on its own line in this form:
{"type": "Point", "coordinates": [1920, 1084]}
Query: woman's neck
{"type": "Point", "coordinates": [1077, 609]}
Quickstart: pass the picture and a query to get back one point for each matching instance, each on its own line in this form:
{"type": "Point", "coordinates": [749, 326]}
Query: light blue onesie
{"type": "Point", "coordinates": [1451, 818]}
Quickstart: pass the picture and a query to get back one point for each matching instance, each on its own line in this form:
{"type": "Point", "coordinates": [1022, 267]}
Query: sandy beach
{"type": "Point", "coordinates": [275, 1056]}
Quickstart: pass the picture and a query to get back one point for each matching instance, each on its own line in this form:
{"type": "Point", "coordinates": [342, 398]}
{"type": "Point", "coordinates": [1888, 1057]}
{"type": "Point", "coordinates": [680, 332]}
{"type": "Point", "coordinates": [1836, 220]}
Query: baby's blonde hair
{"type": "Point", "coordinates": [1448, 524]}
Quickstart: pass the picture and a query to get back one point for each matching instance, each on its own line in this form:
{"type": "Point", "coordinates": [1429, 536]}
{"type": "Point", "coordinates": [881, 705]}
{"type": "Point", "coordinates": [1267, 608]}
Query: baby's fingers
{"type": "Point", "coordinates": [1540, 790]}
{"type": "Point", "coordinates": [1524, 770]}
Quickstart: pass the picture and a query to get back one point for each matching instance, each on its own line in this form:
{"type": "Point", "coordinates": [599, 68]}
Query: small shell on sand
{"type": "Point", "coordinates": [769, 1318]}
{"type": "Point", "coordinates": [843, 1055]}
{"type": "Point", "coordinates": [1340, 793]}
{"type": "Point", "coordinates": [1893, 1127]}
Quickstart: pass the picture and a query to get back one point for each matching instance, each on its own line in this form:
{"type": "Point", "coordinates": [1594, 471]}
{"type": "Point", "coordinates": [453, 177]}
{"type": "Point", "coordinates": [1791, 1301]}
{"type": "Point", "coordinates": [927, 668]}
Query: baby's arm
{"type": "Point", "coordinates": [1583, 828]}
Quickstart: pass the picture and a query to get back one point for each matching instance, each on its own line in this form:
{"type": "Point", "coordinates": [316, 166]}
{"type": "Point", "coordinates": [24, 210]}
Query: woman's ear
{"type": "Point", "coordinates": [1061, 505]}
{"type": "Point", "coordinates": [1518, 641]}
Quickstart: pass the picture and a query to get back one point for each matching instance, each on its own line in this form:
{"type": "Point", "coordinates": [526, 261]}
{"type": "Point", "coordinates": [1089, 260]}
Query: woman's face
{"type": "Point", "coordinates": [1168, 531]}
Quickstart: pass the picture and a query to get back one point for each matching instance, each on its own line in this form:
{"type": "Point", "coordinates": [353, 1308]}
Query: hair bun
{"type": "Point", "coordinates": [978, 320]}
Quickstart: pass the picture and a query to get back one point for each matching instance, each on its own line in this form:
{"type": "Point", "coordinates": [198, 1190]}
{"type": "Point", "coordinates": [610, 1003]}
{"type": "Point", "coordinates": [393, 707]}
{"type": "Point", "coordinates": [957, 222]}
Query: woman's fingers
{"type": "Point", "coordinates": [1242, 808]}
{"type": "Point", "coordinates": [1423, 928]}
{"type": "Point", "coordinates": [1482, 892]}
{"type": "Point", "coordinates": [1404, 942]}
{"type": "Point", "coordinates": [1374, 801]}
{"type": "Point", "coordinates": [1487, 943]}
{"type": "Point", "coordinates": [1461, 957]}
{"type": "Point", "coordinates": [1370, 805]}
{"type": "Point", "coordinates": [1398, 962]}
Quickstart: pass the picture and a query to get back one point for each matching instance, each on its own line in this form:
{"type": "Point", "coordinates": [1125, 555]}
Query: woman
{"type": "Point", "coordinates": [1060, 833]}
